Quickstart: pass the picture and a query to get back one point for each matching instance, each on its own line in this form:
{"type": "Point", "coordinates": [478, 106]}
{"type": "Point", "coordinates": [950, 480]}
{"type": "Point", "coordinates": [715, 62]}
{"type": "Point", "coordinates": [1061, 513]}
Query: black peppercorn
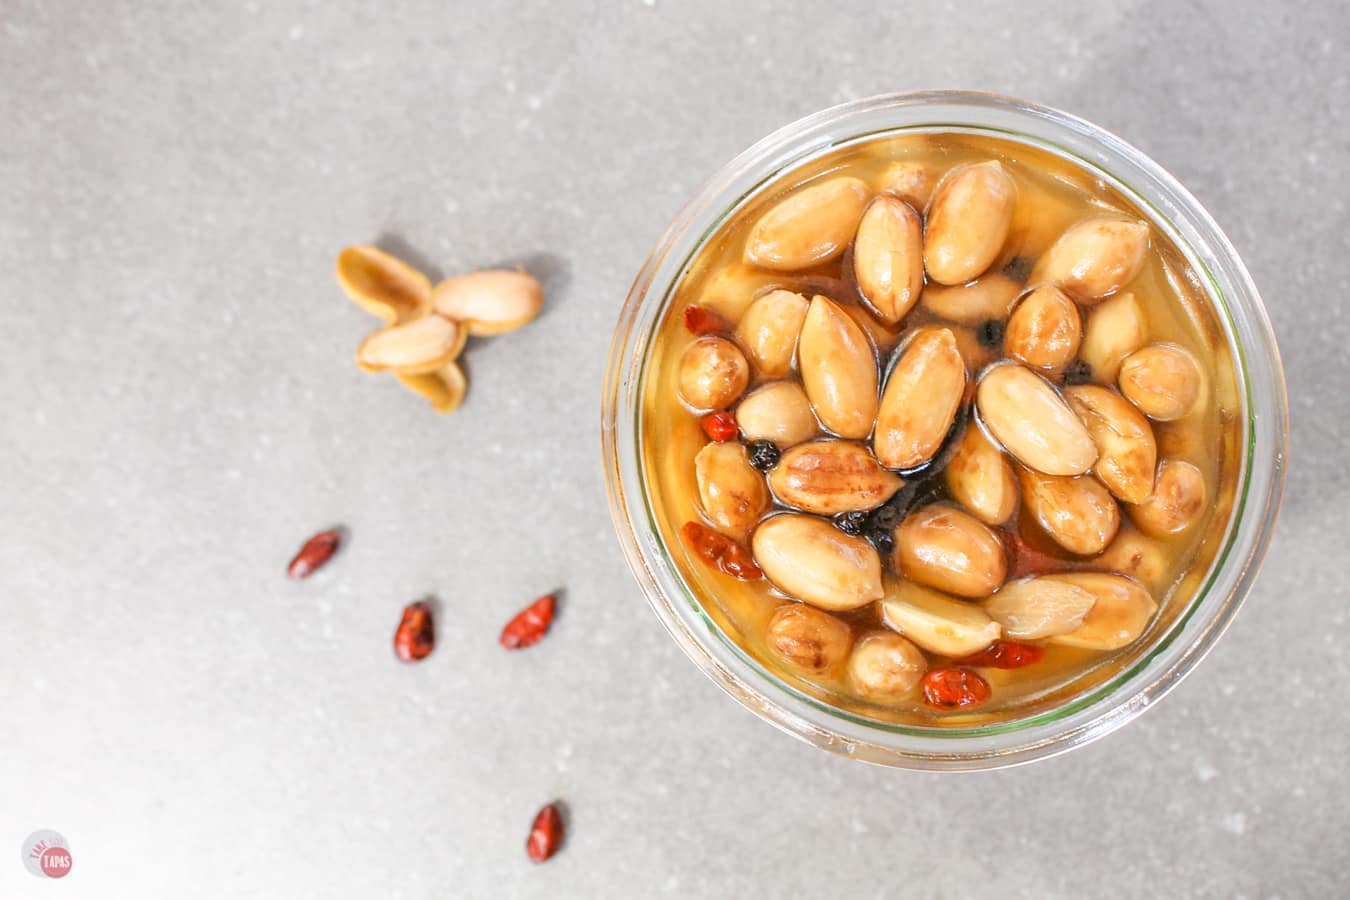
{"type": "Point", "coordinates": [990, 333]}
{"type": "Point", "coordinates": [851, 522]}
{"type": "Point", "coordinates": [764, 455]}
{"type": "Point", "coordinates": [882, 539]}
{"type": "Point", "coordinates": [1078, 372]}
{"type": "Point", "coordinates": [1018, 268]}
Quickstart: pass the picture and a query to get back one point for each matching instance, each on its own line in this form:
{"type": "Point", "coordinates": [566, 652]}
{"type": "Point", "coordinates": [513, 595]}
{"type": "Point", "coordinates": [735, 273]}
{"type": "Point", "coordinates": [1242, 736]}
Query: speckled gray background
{"type": "Point", "coordinates": [180, 409]}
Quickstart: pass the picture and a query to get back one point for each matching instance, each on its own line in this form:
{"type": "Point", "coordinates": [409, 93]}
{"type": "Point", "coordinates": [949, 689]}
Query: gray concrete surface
{"type": "Point", "coordinates": [180, 409]}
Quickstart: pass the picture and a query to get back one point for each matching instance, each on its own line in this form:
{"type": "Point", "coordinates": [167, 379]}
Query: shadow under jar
{"type": "Point", "coordinates": [939, 431]}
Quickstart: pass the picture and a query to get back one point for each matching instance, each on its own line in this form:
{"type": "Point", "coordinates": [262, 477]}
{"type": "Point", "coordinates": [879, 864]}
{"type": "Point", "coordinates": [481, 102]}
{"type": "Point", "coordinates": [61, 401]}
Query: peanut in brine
{"type": "Point", "coordinates": [967, 429]}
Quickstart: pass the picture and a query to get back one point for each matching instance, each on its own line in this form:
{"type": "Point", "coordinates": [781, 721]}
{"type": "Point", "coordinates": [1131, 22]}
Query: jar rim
{"type": "Point", "coordinates": [1247, 534]}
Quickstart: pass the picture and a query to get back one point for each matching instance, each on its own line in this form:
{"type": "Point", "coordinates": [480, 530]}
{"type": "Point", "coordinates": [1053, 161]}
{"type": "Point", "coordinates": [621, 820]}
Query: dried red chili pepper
{"type": "Point", "coordinates": [415, 637]}
{"type": "Point", "coordinates": [316, 551]}
{"type": "Point", "coordinates": [720, 551]}
{"type": "Point", "coordinates": [954, 689]}
{"type": "Point", "coordinates": [546, 834]}
{"type": "Point", "coordinates": [1023, 559]}
{"type": "Point", "coordinates": [720, 426]}
{"type": "Point", "coordinates": [529, 625]}
{"type": "Point", "coordinates": [1005, 655]}
{"type": "Point", "coordinates": [701, 320]}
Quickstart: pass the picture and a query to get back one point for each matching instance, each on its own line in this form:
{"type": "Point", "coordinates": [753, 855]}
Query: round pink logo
{"type": "Point", "coordinates": [56, 862]}
{"type": "Point", "coordinates": [46, 854]}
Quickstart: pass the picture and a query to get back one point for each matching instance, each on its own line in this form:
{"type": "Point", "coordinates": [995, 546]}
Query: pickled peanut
{"type": "Point", "coordinates": [769, 330]}
{"type": "Point", "coordinates": [884, 338]}
{"type": "Point", "coordinates": [1094, 258]}
{"type": "Point", "coordinates": [1115, 329]}
{"type": "Point", "coordinates": [912, 182]}
{"type": "Point", "coordinates": [1120, 612]}
{"type": "Point", "coordinates": [981, 479]}
{"type": "Point", "coordinates": [936, 622]}
{"type": "Point", "coordinates": [810, 559]}
{"type": "Point", "coordinates": [1163, 380]}
{"type": "Point", "coordinates": [828, 286]}
{"type": "Point", "coordinates": [1183, 439]}
{"type": "Point", "coordinates": [944, 548]}
{"type": "Point", "coordinates": [1139, 557]}
{"type": "Point", "coordinates": [1077, 512]}
{"type": "Point", "coordinates": [968, 222]}
{"type": "Point", "coordinates": [1178, 500]}
{"type": "Point", "coordinates": [991, 297]}
{"type": "Point", "coordinates": [809, 226]}
{"type": "Point", "coordinates": [732, 492]}
{"type": "Point", "coordinates": [713, 373]}
{"type": "Point", "coordinates": [1034, 608]}
{"type": "Point", "coordinates": [1041, 217]}
{"type": "Point", "coordinates": [1127, 452]}
{"type": "Point", "coordinates": [923, 393]}
{"type": "Point", "coordinates": [829, 477]}
{"type": "Point", "coordinates": [1044, 330]}
{"type": "Point", "coordinates": [885, 666]}
{"type": "Point", "coordinates": [489, 302]}
{"type": "Point", "coordinates": [778, 412]}
{"type": "Point", "coordinates": [838, 369]}
{"type": "Point", "coordinates": [731, 290]}
{"type": "Point", "coordinates": [412, 348]}
{"type": "Point", "coordinates": [382, 284]}
{"type": "Point", "coordinates": [1024, 413]}
{"type": "Point", "coordinates": [807, 639]}
{"type": "Point", "coordinates": [888, 257]}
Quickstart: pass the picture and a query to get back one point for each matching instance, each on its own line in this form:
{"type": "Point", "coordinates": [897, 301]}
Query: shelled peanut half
{"type": "Point", "coordinates": [935, 451]}
{"type": "Point", "coordinates": [426, 327]}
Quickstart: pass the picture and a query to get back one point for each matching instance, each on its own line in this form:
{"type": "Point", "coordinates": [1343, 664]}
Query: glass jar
{"type": "Point", "coordinates": [1259, 387]}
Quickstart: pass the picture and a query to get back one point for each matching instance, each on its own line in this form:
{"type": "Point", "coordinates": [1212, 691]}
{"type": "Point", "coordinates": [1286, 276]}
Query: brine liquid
{"type": "Point", "coordinates": [1052, 195]}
